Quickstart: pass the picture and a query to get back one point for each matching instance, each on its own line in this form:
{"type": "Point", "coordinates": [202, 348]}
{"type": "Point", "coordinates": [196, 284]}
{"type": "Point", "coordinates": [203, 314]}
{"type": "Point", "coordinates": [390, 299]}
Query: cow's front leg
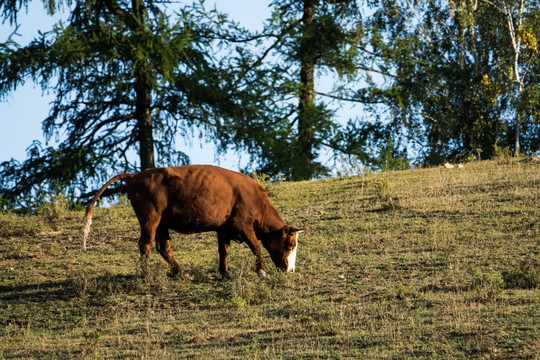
{"type": "Point", "coordinates": [255, 246]}
{"type": "Point", "coordinates": [224, 245]}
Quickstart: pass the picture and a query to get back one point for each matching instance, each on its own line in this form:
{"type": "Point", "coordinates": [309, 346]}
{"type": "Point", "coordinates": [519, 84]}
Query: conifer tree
{"type": "Point", "coordinates": [129, 77]}
{"type": "Point", "coordinates": [308, 37]}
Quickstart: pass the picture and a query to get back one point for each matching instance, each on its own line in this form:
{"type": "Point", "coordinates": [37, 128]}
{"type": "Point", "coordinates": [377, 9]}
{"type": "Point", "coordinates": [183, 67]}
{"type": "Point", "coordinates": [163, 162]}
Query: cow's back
{"type": "Point", "coordinates": [196, 198]}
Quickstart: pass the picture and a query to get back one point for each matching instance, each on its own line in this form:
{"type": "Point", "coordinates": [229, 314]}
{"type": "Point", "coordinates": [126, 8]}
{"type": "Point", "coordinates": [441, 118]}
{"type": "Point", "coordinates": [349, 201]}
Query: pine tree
{"type": "Point", "coordinates": [308, 36]}
{"type": "Point", "coordinates": [129, 77]}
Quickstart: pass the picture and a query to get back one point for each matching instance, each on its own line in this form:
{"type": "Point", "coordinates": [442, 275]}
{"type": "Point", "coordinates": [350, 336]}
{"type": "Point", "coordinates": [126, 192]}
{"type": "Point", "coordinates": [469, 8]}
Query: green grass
{"type": "Point", "coordinates": [432, 263]}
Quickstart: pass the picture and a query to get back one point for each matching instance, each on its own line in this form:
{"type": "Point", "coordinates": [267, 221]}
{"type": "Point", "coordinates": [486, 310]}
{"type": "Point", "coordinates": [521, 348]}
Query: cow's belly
{"type": "Point", "coordinates": [189, 222]}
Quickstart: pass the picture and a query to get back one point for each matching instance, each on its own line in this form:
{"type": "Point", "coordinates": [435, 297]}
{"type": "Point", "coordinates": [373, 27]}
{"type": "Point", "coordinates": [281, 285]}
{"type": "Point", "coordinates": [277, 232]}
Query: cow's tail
{"type": "Point", "coordinates": [90, 207]}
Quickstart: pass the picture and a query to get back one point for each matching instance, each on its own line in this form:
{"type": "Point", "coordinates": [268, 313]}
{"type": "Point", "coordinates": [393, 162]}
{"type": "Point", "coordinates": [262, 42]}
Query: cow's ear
{"type": "Point", "coordinates": [292, 230]}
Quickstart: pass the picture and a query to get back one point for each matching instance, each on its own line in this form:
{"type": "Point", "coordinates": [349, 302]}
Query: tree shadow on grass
{"type": "Point", "coordinates": [64, 290]}
{"type": "Point", "coordinates": [102, 291]}
{"type": "Point", "coordinates": [36, 292]}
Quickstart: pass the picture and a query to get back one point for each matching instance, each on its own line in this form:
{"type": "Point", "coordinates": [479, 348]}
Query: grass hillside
{"type": "Point", "coordinates": [432, 263]}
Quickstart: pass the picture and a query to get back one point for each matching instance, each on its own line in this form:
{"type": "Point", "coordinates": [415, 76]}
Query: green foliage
{"type": "Point", "coordinates": [47, 216]}
{"type": "Point", "coordinates": [524, 275]}
{"type": "Point", "coordinates": [12, 224]}
{"type": "Point", "coordinates": [502, 154]}
{"type": "Point", "coordinates": [319, 36]}
{"type": "Point", "coordinates": [262, 179]}
{"type": "Point", "coordinates": [460, 81]}
{"type": "Point", "coordinates": [373, 145]}
{"type": "Point", "coordinates": [54, 210]}
{"type": "Point", "coordinates": [486, 284]}
{"type": "Point", "coordinates": [390, 158]}
{"type": "Point", "coordinates": [435, 82]}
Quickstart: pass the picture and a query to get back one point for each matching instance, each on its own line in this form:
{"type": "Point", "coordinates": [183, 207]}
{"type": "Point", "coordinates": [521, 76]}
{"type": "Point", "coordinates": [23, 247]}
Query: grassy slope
{"type": "Point", "coordinates": [402, 264]}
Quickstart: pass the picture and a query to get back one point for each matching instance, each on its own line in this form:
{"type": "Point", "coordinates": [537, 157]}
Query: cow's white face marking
{"type": "Point", "coordinates": [291, 259]}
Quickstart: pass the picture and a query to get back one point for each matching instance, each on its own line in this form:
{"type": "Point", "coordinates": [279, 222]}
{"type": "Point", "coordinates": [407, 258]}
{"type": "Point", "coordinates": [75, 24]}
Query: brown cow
{"type": "Point", "coordinates": [199, 198]}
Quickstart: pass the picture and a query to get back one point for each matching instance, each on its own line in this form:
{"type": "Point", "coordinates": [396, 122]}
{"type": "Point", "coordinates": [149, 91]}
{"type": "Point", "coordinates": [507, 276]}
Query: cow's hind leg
{"type": "Point", "coordinates": [148, 235]}
{"type": "Point", "coordinates": [163, 246]}
{"type": "Point", "coordinates": [224, 243]}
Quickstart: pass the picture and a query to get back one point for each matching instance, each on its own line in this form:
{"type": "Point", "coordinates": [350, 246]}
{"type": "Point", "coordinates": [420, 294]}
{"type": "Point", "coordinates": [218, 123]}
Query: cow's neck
{"type": "Point", "coordinates": [271, 221]}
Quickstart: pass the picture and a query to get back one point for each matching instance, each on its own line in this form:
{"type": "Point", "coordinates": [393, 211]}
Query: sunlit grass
{"type": "Point", "coordinates": [431, 263]}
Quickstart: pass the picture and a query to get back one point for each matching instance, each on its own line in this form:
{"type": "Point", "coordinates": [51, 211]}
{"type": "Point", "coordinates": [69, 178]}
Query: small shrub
{"type": "Point", "coordinates": [385, 195]}
{"type": "Point", "coordinates": [17, 225]}
{"type": "Point", "coordinates": [525, 275]}
{"type": "Point", "coordinates": [380, 186]}
{"type": "Point", "coordinates": [487, 284]}
{"type": "Point", "coordinates": [261, 178]}
{"type": "Point", "coordinates": [55, 210]}
{"type": "Point", "coordinates": [469, 158]}
{"type": "Point", "coordinates": [503, 155]}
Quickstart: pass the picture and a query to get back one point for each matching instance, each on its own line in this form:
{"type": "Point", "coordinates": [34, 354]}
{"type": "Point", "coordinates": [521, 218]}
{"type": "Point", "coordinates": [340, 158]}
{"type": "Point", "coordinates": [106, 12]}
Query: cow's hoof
{"type": "Point", "coordinates": [225, 276]}
{"type": "Point", "coordinates": [186, 276]}
{"type": "Point", "coordinates": [176, 274]}
{"type": "Point", "coordinates": [261, 273]}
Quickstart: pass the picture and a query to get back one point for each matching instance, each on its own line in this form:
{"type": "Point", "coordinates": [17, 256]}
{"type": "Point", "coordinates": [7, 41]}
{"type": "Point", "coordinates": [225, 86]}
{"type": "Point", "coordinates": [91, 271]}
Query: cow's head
{"type": "Point", "coordinates": [282, 245]}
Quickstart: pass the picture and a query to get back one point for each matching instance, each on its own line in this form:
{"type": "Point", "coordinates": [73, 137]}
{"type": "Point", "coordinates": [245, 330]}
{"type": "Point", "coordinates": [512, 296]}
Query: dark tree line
{"type": "Point", "coordinates": [434, 81]}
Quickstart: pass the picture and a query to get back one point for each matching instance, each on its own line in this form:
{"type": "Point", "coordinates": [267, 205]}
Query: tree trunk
{"type": "Point", "coordinates": [518, 79]}
{"type": "Point", "coordinates": [306, 104]}
{"type": "Point", "coordinates": [143, 102]}
{"type": "Point", "coordinates": [518, 118]}
{"type": "Point", "coordinates": [516, 139]}
{"type": "Point", "coordinates": [144, 122]}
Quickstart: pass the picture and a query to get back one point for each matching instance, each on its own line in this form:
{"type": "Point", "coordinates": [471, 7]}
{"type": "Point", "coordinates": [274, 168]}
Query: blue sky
{"type": "Point", "coordinates": [22, 112]}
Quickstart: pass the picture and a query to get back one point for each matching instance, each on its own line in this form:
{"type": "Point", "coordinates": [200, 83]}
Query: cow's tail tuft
{"type": "Point", "coordinates": [90, 207]}
{"type": "Point", "coordinates": [87, 223]}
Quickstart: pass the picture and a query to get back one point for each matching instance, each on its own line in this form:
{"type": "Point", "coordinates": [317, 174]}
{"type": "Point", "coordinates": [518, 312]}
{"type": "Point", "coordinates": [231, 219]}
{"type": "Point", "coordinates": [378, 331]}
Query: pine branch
{"type": "Point", "coordinates": [98, 127]}
{"type": "Point", "coordinates": [113, 6]}
{"type": "Point", "coordinates": [380, 72]}
{"type": "Point", "coordinates": [342, 98]}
